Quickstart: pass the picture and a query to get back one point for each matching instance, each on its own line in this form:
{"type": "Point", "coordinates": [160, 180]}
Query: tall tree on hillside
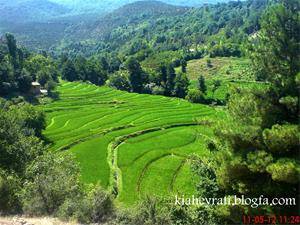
{"type": "Point", "coordinates": [12, 46]}
{"type": "Point", "coordinates": [170, 80]}
{"type": "Point", "coordinates": [202, 85]}
{"type": "Point", "coordinates": [181, 85]}
{"type": "Point", "coordinates": [163, 74]}
{"type": "Point", "coordinates": [183, 65]}
{"type": "Point", "coordinates": [137, 77]}
{"type": "Point", "coordinates": [24, 81]}
{"type": "Point", "coordinates": [262, 136]}
{"type": "Point", "coordinates": [69, 71]}
{"type": "Point", "coordinates": [104, 64]}
{"type": "Point", "coordinates": [94, 73]}
{"type": "Point", "coordinates": [215, 86]}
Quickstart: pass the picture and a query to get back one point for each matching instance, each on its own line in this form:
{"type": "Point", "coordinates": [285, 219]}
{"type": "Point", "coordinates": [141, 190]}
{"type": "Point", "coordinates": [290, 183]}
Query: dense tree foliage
{"type": "Point", "coordinates": [37, 182]}
{"type": "Point", "coordinates": [217, 30]}
{"type": "Point", "coordinates": [19, 68]}
{"type": "Point", "coordinates": [263, 136]}
{"type": "Point", "coordinates": [202, 85]}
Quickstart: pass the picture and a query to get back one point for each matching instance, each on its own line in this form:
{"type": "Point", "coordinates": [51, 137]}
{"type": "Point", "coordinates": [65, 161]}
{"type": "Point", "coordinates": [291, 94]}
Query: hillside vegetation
{"type": "Point", "coordinates": [115, 117]}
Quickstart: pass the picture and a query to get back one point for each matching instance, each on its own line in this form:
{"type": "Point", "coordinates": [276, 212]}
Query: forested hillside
{"type": "Point", "coordinates": [151, 19]}
{"type": "Point", "coordinates": [102, 6]}
{"type": "Point", "coordinates": [29, 10]}
{"type": "Point", "coordinates": [205, 28]}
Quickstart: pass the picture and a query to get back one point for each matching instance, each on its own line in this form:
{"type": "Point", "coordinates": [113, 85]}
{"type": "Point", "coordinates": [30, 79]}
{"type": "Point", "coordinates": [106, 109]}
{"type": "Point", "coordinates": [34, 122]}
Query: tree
{"type": "Point", "coordinates": [262, 136]}
{"type": "Point", "coordinates": [69, 71]}
{"type": "Point", "coordinates": [43, 77]}
{"type": "Point", "coordinates": [137, 76]}
{"type": "Point", "coordinates": [80, 64]}
{"type": "Point", "coordinates": [183, 65]}
{"type": "Point", "coordinates": [12, 48]}
{"type": "Point", "coordinates": [201, 84]}
{"type": "Point", "coordinates": [163, 75]}
{"type": "Point", "coordinates": [120, 81]}
{"type": "Point", "coordinates": [24, 81]}
{"type": "Point", "coordinates": [282, 20]}
{"type": "Point", "coordinates": [10, 186]}
{"type": "Point", "coordinates": [18, 145]}
{"type": "Point", "coordinates": [51, 180]}
{"type": "Point", "coordinates": [94, 73]}
{"type": "Point", "coordinates": [215, 86]}
{"type": "Point", "coordinates": [181, 85]}
{"type": "Point", "coordinates": [170, 80]}
{"type": "Point", "coordinates": [7, 78]}
{"type": "Point", "coordinates": [104, 64]}
{"type": "Point", "coordinates": [195, 96]}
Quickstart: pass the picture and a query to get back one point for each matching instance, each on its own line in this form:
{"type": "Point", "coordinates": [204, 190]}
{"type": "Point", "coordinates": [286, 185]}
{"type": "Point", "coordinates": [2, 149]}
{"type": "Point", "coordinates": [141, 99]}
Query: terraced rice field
{"type": "Point", "coordinates": [132, 144]}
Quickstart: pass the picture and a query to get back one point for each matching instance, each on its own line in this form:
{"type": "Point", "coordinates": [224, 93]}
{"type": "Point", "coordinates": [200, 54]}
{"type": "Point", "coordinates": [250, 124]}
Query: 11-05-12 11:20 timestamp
{"type": "Point", "coordinates": [274, 219]}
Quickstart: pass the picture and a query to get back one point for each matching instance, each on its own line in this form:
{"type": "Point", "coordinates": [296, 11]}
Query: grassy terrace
{"type": "Point", "coordinates": [231, 71]}
{"type": "Point", "coordinates": [132, 144]}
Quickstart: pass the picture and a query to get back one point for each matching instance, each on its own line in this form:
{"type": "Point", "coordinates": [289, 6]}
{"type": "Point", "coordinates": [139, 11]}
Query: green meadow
{"type": "Point", "coordinates": [232, 72]}
{"type": "Point", "coordinates": [132, 144]}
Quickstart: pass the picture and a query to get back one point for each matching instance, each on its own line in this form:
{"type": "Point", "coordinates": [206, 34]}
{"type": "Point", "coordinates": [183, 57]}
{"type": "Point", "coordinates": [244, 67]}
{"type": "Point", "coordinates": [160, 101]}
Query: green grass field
{"type": "Point", "coordinates": [231, 71]}
{"type": "Point", "coordinates": [133, 144]}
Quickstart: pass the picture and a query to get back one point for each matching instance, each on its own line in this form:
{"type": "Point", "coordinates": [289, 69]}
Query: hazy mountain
{"type": "Point", "coordinates": [43, 23]}
{"type": "Point", "coordinates": [132, 13]}
{"type": "Point", "coordinates": [104, 6]}
{"type": "Point", "coordinates": [30, 10]}
{"type": "Point", "coordinates": [17, 11]}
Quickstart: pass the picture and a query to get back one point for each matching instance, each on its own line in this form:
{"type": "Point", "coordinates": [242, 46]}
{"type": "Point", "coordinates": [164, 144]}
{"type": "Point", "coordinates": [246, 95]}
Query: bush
{"type": "Point", "coordinates": [158, 90]}
{"type": "Point", "coordinates": [195, 96]}
{"type": "Point", "coordinates": [18, 144]}
{"type": "Point", "coordinates": [285, 170]}
{"type": "Point", "coordinates": [96, 206]}
{"type": "Point", "coordinates": [119, 81]}
{"type": "Point", "coordinates": [148, 212]}
{"type": "Point", "coordinates": [51, 180]}
{"type": "Point", "coordinates": [282, 139]}
{"type": "Point", "coordinates": [9, 187]}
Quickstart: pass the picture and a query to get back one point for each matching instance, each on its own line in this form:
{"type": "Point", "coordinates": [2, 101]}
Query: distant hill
{"type": "Point", "coordinates": [42, 35]}
{"type": "Point", "coordinates": [20, 11]}
{"type": "Point", "coordinates": [163, 26]}
{"type": "Point", "coordinates": [132, 13]}
{"type": "Point", "coordinates": [104, 6]}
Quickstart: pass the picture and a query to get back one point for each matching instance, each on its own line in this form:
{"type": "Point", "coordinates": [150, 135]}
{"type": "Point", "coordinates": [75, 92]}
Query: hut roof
{"type": "Point", "coordinates": [35, 84]}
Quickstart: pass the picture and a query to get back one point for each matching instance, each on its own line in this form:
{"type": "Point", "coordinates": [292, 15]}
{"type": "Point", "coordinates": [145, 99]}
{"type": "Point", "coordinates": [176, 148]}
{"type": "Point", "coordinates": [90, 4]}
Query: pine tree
{"type": "Point", "coordinates": [137, 77]}
{"type": "Point", "coordinates": [181, 85]}
{"type": "Point", "coordinates": [183, 66]}
{"type": "Point", "coordinates": [170, 80]}
{"type": "Point", "coordinates": [262, 137]}
{"type": "Point", "coordinates": [69, 71]}
{"type": "Point", "coordinates": [201, 84]}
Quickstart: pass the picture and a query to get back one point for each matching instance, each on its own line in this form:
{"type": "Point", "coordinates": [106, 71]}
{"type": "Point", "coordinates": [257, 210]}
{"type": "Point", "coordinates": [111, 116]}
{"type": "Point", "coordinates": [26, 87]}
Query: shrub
{"type": "Point", "coordinates": [148, 212]}
{"type": "Point", "coordinates": [285, 170]}
{"type": "Point", "coordinates": [51, 180]}
{"type": "Point", "coordinates": [120, 81]}
{"type": "Point", "coordinates": [18, 145]}
{"type": "Point", "coordinates": [282, 139]}
{"type": "Point", "coordinates": [158, 90]}
{"type": "Point", "coordinates": [195, 96]}
{"type": "Point", "coordinates": [9, 187]}
{"type": "Point", "coordinates": [95, 206]}
{"type": "Point", "coordinates": [258, 161]}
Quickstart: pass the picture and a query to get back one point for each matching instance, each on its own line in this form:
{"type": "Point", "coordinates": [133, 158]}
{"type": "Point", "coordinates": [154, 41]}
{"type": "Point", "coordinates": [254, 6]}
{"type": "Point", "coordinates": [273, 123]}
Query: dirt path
{"type": "Point", "coordinates": [32, 221]}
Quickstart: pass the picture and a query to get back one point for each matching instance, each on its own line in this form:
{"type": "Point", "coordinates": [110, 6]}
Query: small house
{"type": "Point", "coordinates": [35, 88]}
{"type": "Point", "coordinates": [44, 92]}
